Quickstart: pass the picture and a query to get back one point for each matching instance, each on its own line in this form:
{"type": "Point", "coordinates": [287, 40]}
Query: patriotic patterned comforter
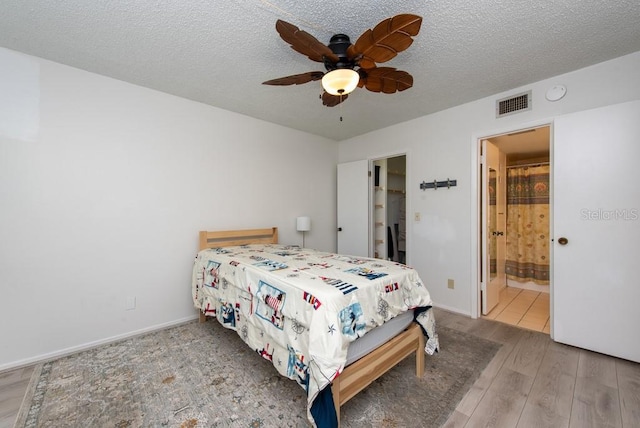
{"type": "Point", "coordinates": [300, 308]}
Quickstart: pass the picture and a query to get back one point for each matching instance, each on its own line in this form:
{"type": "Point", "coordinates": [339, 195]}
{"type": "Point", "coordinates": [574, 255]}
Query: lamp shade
{"type": "Point", "coordinates": [303, 224]}
{"type": "Point", "coordinates": [341, 81]}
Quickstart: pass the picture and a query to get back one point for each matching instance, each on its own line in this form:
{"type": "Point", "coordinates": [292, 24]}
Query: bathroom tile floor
{"type": "Point", "coordinates": [524, 308]}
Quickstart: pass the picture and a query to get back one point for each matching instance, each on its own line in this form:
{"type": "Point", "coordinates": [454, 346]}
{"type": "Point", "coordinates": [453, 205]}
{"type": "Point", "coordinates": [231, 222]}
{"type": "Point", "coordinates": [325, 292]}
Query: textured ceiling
{"type": "Point", "coordinates": [219, 52]}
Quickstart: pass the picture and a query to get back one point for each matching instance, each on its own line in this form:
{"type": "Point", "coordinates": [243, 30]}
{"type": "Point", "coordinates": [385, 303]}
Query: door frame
{"type": "Point", "coordinates": [476, 209]}
{"type": "Point", "coordinates": [409, 223]}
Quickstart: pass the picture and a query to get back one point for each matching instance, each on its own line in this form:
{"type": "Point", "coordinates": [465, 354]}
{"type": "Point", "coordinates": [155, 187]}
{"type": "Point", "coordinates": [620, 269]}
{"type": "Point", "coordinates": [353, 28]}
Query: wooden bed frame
{"type": "Point", "coordinates": [357, 376]}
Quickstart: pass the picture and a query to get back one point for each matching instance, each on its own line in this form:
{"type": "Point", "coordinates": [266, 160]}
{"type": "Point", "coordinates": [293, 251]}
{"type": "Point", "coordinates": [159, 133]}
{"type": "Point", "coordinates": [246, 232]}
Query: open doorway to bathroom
{"type": "Point", "coordinates": [515, 228]}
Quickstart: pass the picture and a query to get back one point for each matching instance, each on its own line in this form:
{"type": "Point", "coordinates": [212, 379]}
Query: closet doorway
{"type": "Point", "coordinates": [515, 228]}
{"type": "Point", "coordinates": [389, 223]}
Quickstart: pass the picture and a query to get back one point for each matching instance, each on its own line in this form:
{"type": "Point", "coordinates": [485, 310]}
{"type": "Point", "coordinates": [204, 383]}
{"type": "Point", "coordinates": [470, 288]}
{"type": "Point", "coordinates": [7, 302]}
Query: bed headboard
{"type": "Point", "coordinates": [227, 238]}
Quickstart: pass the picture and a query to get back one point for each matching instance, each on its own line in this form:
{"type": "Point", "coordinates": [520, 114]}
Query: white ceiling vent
{"type": "Point", "coordinates": [513, 104]}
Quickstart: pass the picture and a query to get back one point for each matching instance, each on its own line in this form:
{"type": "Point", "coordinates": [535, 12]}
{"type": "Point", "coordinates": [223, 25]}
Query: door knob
{"type": "Point", "coordinates": [563, 241]}
{"type": "Point", "coordinates": [339, 229]}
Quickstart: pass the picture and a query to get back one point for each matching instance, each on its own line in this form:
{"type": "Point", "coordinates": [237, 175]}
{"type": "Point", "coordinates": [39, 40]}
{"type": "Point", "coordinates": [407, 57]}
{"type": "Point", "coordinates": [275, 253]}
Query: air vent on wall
{"type": "Point", "coordinates": [513, 104]}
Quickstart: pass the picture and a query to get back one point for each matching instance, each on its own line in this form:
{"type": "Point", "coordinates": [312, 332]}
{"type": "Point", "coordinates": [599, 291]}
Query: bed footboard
{"type": "Point", "coordinates": [363, 372]}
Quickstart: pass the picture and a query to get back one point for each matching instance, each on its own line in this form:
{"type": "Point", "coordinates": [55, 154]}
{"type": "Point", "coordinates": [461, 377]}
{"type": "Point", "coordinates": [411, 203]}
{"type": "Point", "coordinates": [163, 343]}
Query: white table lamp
{"type": "Point", "coordinates": [303, 224]}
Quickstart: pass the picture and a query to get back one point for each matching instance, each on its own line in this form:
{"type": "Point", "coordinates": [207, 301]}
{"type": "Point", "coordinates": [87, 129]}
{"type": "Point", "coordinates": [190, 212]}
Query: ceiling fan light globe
{"type": "Point", "coordinates": [341, 81]}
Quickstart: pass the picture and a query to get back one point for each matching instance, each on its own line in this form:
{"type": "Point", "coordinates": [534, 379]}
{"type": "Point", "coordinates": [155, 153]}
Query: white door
{"type": "Point", "coordinates": [353, 208]}
{"type": "Point", "coordinates": [596, 222]}
{"type": "Point", "coordinates": [493, 225]}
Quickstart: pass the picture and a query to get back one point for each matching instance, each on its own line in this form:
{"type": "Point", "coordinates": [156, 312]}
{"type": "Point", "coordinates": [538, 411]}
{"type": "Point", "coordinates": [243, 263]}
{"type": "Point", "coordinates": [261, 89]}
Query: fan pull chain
{"type": "Point", "coordinates": [340, 107]}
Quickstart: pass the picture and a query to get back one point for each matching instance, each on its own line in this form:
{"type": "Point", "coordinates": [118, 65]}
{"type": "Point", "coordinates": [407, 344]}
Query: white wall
{"type": "Point", "coordinates": [103, 188]}
{"type": "Point", "coordinates": [443, 145]}
{"type": "Point", "coordinates": [104, 185]}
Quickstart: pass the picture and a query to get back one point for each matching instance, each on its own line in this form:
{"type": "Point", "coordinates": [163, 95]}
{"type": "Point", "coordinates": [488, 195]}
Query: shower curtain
{"type": "Point", "coordinates": [528, 224]}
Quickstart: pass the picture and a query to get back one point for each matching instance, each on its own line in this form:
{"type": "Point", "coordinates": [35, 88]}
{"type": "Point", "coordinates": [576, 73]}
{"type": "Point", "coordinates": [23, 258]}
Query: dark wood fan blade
{"type": "Point", "coordinates": [332, 100]}
{"type": "Point", "coordinates": [296, 79]}
{"type": "Point", "coordinates": [389, 37]}
{"type": "Point", "coordinates": [303, 42]}
{"type": "Point", "coordinates": [387, 80]}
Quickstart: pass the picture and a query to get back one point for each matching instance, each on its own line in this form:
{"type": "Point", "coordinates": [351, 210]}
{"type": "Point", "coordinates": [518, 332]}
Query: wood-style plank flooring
{"type": "Point", "coordinates": [531, 382]}
{"type": "Point", "coordinates": [535, 382]}
{"type": "Point", "coordinates": [13, 385]}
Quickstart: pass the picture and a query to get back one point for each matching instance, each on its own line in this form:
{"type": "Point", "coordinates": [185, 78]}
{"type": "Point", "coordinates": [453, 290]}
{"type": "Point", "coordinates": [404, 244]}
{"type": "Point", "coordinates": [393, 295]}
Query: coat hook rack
{"type": "Point", "coordinates": [435, 184]}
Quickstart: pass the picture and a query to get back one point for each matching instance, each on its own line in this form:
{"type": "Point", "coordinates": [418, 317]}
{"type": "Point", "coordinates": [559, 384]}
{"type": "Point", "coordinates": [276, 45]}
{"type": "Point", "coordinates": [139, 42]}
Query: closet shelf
{"type": "Point", "coordinates": [396, 191]}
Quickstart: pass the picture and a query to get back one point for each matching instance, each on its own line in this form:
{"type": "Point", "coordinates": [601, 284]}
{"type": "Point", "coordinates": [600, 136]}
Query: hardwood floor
{"type": "Point", "coordinates": [535, 382]}
{"type": "Point", "coordinates": [13, 385]}
{"type": "Point", "coordinates": [531, 382]}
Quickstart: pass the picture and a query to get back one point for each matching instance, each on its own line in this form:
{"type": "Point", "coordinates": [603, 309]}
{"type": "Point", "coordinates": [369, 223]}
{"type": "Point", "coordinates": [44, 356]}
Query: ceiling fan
{"type": "Point", "coordinates": [353, 65]}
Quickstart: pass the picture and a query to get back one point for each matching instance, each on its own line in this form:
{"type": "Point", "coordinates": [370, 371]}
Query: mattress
{"type": "Point", "coordinates": [378, 336]}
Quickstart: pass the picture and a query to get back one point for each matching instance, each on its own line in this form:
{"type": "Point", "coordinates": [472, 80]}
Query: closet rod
{"type": "Point", "coordinates": [528, 164]}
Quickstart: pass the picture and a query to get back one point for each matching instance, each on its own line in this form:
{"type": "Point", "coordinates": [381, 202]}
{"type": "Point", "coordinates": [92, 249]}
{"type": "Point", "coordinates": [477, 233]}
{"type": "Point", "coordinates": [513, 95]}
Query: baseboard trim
{"type": "Point", "coordinates": [451, 309]}
{"type": "Point", "coordinates": [90, 345]}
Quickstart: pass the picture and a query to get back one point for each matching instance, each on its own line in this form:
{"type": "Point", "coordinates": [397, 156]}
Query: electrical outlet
{"type": "Point", "coordinates": [450, 283]}
{"type": "Point", "coordinates": [416, 216]}
{"type": "Point", "coordinates": [130, 303]}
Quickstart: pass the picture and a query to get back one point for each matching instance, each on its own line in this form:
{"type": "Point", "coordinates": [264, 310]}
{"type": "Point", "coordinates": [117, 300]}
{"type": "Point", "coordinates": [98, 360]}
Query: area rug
{"type": "Point", "coordinates": [203, 375]}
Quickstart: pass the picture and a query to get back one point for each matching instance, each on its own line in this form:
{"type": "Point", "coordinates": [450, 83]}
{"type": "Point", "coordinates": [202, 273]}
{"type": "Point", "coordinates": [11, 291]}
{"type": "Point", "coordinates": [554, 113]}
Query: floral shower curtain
{"type": "Point", "coordinates": [528, 224]}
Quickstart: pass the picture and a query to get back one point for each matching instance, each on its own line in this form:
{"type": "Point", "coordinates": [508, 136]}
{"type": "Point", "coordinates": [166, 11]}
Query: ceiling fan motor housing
{"type": "Point", "coordinates": [339, 44]}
